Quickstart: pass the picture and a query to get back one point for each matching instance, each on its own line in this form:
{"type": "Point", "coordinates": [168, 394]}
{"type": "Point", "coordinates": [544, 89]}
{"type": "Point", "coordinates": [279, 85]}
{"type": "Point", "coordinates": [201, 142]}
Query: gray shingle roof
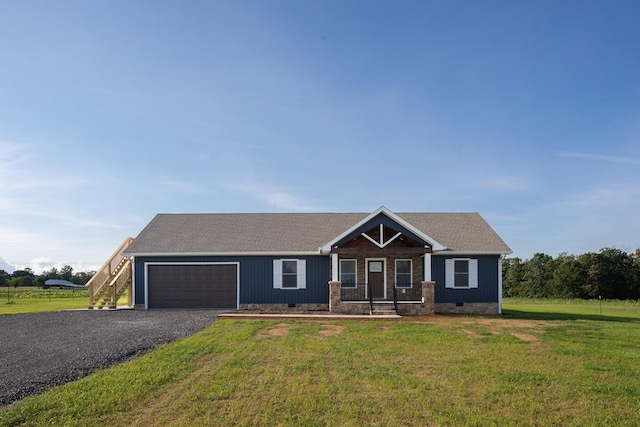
{"type": "Point", "coordinates": [297, 232]}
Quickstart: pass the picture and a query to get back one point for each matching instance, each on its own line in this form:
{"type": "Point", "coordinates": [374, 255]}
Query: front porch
{"type": "Point", "coordinates": [415, 301]}
{"type": "Point", "coordinates": [381, 267]}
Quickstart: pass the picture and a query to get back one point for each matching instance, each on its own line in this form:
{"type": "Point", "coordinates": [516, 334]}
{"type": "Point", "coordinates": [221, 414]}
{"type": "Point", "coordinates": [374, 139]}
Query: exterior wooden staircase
{"type": "Point", "coordinates": [112, 280]}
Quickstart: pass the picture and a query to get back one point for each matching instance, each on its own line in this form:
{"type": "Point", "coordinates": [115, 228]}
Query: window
{"type": "Point", "coordinates": [375, 266]}
{"type": "Point", "coordinates": [461, 273]}
{"type": "Point", "coordinates": [403, 273]}
{"type": "Point", "coordinates": [289, 274]}
{"type": "Point", "coordinates": [348, 273]}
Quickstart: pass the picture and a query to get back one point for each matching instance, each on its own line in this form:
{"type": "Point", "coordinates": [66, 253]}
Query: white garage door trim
{"type": "Point", "coordinates": [146, 276]}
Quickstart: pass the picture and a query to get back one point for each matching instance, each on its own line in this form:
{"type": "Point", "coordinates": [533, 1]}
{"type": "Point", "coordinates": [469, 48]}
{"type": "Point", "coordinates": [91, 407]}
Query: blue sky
{"type": "Point", "coordinates": [110, 112]}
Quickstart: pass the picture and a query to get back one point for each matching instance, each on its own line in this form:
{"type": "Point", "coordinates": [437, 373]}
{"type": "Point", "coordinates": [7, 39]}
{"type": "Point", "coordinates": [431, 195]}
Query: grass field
{"type": "Point", "coordinates": [572, 309]}
{"type": "Point", "coordinates": [35, 300]}
{"type": "Point", "coordinates": [540, 364]}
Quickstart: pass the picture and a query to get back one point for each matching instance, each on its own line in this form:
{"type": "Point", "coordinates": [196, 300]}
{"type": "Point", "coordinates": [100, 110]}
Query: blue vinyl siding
{"type": "Point", "coordinates": [256, 278]}
{"type": "Point", "coordinates": [487, 290]}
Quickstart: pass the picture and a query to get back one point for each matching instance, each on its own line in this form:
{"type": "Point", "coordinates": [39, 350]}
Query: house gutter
{"type": "Point", "coordinates": [256, 253]}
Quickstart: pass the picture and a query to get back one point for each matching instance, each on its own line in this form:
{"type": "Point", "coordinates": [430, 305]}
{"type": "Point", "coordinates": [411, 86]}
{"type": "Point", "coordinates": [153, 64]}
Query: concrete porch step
{"type": "Point", "coordinates": [383, 310]}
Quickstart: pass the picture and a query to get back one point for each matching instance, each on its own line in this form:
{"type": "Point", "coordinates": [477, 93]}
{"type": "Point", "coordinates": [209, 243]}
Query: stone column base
{"type": "Point", "coordinates": [467, 308]}
{"type": "Point", "coordinates": [335, 299]}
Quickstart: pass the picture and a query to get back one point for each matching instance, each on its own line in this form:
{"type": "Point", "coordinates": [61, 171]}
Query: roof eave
{"type": "Point", "coordinates": [464, 252]}
{"type": "Point", "coordinates": [236, 253]}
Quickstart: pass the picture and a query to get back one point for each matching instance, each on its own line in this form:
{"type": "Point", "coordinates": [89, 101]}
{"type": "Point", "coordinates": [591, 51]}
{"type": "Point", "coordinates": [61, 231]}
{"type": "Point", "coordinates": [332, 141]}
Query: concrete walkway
{"type": "Point", "coordinates": [307, 316]}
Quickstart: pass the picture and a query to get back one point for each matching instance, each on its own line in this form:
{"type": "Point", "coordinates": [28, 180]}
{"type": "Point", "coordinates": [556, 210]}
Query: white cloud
{"type": "Point", "coordinates": [601, 158]}
{"type": "Point", "coordinates": [40, 265]}
{"type": "Point", "coordinates": [27, 177]}
{"type": "Point", "coordinates": [273, 196]}
{"type": "Point", "coordinates": [506, 183]}
{"type": "Point", "coordinates": [6, 265]}
{"type": "Point", "coordinates": [576, 222]}
{"type": "Point", "coordinates": [88, 223]}
{"type": "Point", "coordinates": [12, 158]}
{"type": "Point", "coordinates": [606, 198]}
{"type": "Point", "coordinates": [170, 185]}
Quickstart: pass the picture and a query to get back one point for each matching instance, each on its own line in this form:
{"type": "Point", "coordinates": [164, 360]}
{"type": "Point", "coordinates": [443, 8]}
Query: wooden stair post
{"type": "Point", "coordinates": [111, 280]}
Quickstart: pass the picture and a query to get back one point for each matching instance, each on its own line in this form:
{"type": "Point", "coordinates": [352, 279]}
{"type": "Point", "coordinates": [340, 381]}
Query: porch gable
{"type": "Point", "coordinates": [381, 228]}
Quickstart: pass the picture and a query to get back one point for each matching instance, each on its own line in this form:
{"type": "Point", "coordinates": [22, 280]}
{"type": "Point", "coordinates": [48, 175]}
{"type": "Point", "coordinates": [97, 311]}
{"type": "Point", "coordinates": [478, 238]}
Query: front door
{"type": "Point", "coordinates": [375, 277]}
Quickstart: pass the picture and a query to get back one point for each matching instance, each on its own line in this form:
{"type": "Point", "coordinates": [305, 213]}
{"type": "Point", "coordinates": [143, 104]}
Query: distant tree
{"type": "Point", "coordinates": [39, 280]}
{"type": "Point", "coordinates": [66, 273]}
{"type": "Point", "coordinates": [82, 277]}
{"type": "Point", "coordinates": [591, 285]}
{"type": "Point", "coordinates": [42, 278]}
{"type": "Point", "coordinates": [4, 278]}
{"type": "Point", "coordinates": [609, 273]}
{"type": "Point", "coordinates": [22, 277]}
{"type": "Point", "coordinates": [512, 274]}
{"type": "Point", "coordinates": [537, 275]}
{"type": "Point", "coordinates": [616, 273]}
{"type": "Point", "coordinates": [17, 281]}
{"type": "Point", "coordinates": [568, 278]}
{"type": "Point", "coordinates": [635, 275]}
{"type": "Point", "coordinates": [21, 273]}
{"type": "Point", "coordinates": [51, 274]}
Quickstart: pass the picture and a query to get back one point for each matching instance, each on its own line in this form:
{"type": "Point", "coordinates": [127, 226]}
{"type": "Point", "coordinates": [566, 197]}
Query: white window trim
{"type": "Point", "coordinates": [355, 285]}
{"type": "Point", "coordinates": [410, 274]}
{"type": "Point", "coordinates": [450, 273]}
{"type": "Point", "coordinates": [301, 274]}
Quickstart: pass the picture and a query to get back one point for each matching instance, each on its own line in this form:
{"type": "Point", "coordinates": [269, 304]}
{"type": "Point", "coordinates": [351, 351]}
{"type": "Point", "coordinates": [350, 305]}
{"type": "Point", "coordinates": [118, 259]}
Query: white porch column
{"type": "Point", "coordinates": [427, 267]}
{"type": "Point", "coordinates": [335, 276]}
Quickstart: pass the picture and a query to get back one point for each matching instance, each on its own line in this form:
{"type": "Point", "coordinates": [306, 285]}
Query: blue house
{"type": "Point", "coordinates": [409, 263]}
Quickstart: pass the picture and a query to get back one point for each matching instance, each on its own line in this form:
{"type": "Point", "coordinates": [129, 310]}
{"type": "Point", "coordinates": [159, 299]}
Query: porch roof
{"type": "Point", "coordinates": [297, 233]}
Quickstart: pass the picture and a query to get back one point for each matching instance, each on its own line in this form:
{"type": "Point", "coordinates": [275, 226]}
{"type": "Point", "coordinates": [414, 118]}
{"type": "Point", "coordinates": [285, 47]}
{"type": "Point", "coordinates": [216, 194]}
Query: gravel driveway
{"type": "Point", "coordinates": [40, 349]}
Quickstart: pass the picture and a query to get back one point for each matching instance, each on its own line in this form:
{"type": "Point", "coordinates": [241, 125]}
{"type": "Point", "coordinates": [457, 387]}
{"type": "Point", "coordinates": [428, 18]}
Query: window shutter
{"type": "Point", "coordinates": [277, 274]}
{"type": "Point", "coordinates": [302, 274]}
{"type": "Point", "coordinates": [448, 271]}
{"type": "Point", "coordinates": [473, 273]}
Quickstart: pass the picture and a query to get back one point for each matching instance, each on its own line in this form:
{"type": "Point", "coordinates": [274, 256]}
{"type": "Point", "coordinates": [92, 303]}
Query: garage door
{"type": "Point", "coordinates": [192, 286]}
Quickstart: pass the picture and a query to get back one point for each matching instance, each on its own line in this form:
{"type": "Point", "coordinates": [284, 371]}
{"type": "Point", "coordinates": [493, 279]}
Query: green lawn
{"type": "Point", "coordinates": [35, 300]}
{"type": "Point", "coordinates": [572, 309]}
{"type": "Point", "coordinates": [517, 369]}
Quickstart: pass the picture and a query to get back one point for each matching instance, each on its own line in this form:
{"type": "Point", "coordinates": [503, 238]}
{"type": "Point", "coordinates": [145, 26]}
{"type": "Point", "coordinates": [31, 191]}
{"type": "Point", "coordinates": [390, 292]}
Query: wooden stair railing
{"type": "Point", "coordinates": [111, 280]}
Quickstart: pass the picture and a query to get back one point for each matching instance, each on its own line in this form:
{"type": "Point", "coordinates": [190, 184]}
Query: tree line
{"type": "Point", "coordinates": [27, 277]}
{"type": "Point", "coordinates": [609, 274]}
